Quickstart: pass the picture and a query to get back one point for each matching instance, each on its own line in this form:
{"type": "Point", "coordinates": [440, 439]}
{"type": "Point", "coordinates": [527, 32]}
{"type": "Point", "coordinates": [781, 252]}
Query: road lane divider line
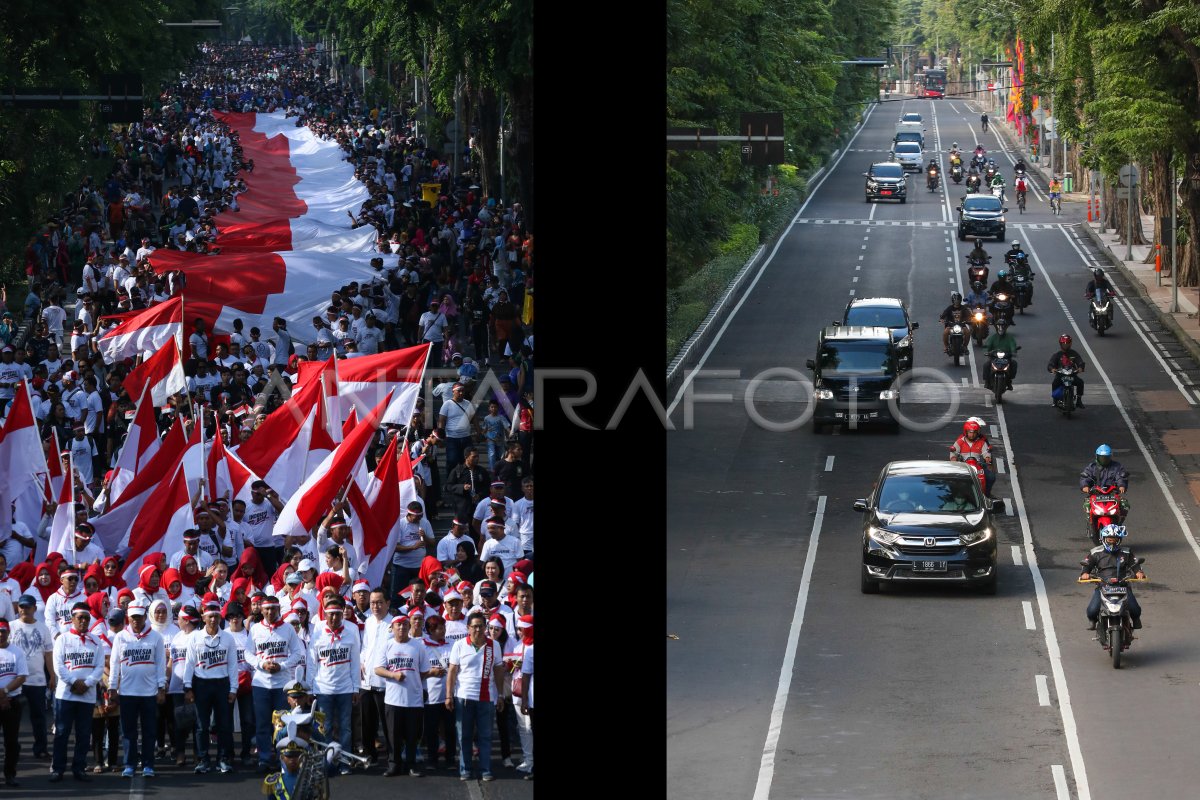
{"type": "Point", "coordinates": [1151, 463]}
{"type": "Point", "coordinates": [1008, 506]}
{"type": "Point", "coordinates": [1000, 465]}
{"type": "Point", "coordinates": [1060, 782]}
{"type": "Point", "coordinates": [829, 464]}
{"type": "Point", "coordinates": [1070, 728]}
{"type": "Point", "coordinates": [1027, 608]}
{"type": "Point", "coordinates": [766, 769]}
{"type": "Point", "coordinates": [1016, 555]}
{"type": "Point", "coordinates": [1043, 693]}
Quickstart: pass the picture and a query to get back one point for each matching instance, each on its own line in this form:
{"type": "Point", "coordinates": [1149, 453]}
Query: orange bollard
{"type": "Point", "coordinates": [1158, 258]}
{"type": "Point", "coordinates": [1089, 208]}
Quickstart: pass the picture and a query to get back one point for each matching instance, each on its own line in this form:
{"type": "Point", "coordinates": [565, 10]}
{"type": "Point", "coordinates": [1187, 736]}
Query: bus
{"type": "Point", "coordinates": [935, 83]}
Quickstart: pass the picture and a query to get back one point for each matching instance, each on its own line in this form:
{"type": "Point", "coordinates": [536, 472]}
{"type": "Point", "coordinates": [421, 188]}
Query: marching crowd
{"type": "Point", "coordinates": [242, 619]}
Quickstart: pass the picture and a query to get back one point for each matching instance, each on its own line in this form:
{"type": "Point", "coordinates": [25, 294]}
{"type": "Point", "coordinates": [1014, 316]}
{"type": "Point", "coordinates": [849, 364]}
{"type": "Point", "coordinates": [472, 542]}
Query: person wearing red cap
{"type": "Point", "coordinates": [403, 665]}
{"type": "Point", "coordinates": [78, 665]}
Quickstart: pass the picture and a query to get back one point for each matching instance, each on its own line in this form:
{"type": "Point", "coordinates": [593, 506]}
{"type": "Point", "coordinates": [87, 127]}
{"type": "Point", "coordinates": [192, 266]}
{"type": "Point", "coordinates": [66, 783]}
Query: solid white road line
{"type": "Point", "coordinates": [1043, 693]}
{"type": "Point", "coordinates": [1142, 335]}
{"type": "Point", "coordinates": [1151, 462]}
{"type": "Point", "coordinates": [766, 769]}
{"type": "Point", "coordinates": [829, 464]}
{"type": "Point", "coordinates": [1070, 729]}
{"type": "Point", "coordinates": [1060, 782]}
{"type": "Point", "coordinates": [750, 289]}
{"type": "Point", "coordinates": [1016, 555]}
{"type": "Point", "coordinates": [1027, 607]}
{"type": "Point", "coordinates": [947, 214]}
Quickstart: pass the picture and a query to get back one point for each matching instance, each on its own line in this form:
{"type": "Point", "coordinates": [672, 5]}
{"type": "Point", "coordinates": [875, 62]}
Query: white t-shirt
{"type": "Point", "coordinates": [458, 416]}
{"type": "Point", "coordinates": [476, 670]}
{"type": "Point", "coordinates": [12, 664]}
{"type": "Point", "coordinates": [410, 659]}
{"type": "Point", "coordinates": [258, 524]}
{"type": "Point", "coordinates": [433, 326]}
{"type": "Point", "coordinates": [448, 545]}
{"type": "Point", "coordinates": [34, 640]}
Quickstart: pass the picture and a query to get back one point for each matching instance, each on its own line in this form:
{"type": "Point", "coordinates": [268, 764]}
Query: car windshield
{"type": "Point", "coordinates": [859, 358]}
{"type": "Point", "coordinates": [871, 316]}
{"type": "Point", "coordinates": [929, 495]}
{"type": "Point", "coordinates": [982, 203]}
{"type": "Point", "coordinates": [908, 148]}
{"type": "Point", "coordinates": [888, 171]}
{"type": "Point", "coordinates": [911, 117]}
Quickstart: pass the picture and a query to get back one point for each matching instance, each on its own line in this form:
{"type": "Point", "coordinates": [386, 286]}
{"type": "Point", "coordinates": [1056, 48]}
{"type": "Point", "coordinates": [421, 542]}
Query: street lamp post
{"type": "Point", "coordinates": [1174, 245]}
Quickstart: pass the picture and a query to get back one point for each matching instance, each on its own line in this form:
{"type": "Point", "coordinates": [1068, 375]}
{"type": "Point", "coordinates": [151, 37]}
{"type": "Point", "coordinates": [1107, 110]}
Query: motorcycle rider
{"type": "Point", "coordinates": [1111, 560]}
{"type": "Point", "coordinates": [1020, 264]}
{"type": "Point", "coordinates": [954, 151]}
{"type": "Point", "coordinates": [978, 296]}
{"type": "Point", "coordinates": [1102, 471]}
{"type": "Point", "coordinates": [947, 318]}
{"type": "Point", "coordinates": [931, 171]}
{"type": "Point", "coordinates": [1065, 355]}
{"type": "Point", "coordinates": [973, 178]}
{"type": "Point", "coordinates": [998, 180]}
{"type": "Point", "coordinates": [972, 442]}
{"type": "Point", "coordinates": [1000, 342]}
{"type": "Point", "coordinates": [1100, 282]}
{"type": "Point", "coordinates": [1001, 286]}
{"type": "Point", "coordinates": [979, 254]}
{"type": "Point", "coordinates": [1020, 167]}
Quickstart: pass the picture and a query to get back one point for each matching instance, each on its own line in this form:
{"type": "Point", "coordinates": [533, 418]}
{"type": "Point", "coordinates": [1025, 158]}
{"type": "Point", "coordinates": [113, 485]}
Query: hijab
{"type": "Point", "coordinates": [169, 577]}
{"type": "Point", "coordinates": [49, 589]}
{"type": "Point", "coordinates": [116, 581]}
{"type": "Point", "coordinates": [188, 581]}
{"type": "Point", "coordinates": [250, 556]}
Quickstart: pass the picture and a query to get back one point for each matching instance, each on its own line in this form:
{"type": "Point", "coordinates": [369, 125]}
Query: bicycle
{"type": "Point", "coordinates": [1056, 205]}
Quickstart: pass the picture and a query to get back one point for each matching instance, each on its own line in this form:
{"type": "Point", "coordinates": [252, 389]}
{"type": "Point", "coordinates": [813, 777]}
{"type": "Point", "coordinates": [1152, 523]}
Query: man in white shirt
{"type": "Point", "coordinates": [448, 544]}
{"type": "Point", "coordinates": [138, 674]}
{"type": "Point", "coordinates": [13, 673]}
{"type": "Point", "coordinates": [415, 535]}
{"type": "Point", "coordinates": [78, 666]}
{"type": "Point", "coordinates": [274, 653]}
{"type": "Point", "coordinates": [432, 327]}
{"type": "Point", "coordinates": [335, 649]}
{"type": "Point", "coordinates": [83, 552]}
{"type": "Point", "coordinates": [523, 516]}
{"type": "Point", "coordinates": [370, 336]}
{"type": "Point", "coordinates": [495, 503]}
{"type": "Point", "coordinates": [37, 643]}
{"type": "Point", "coordinates": [210, 680]}
{"type": "Point", "coordinates": [259, 522]}
{"type": "Point", "coordinates": [191, 547]}
{"type": "Point", "coordinates": [474, 681]}
{"type": "Point", "coordinates": [403, 665]}
{"type": "Point", "coordinates": [375, 633]}
{"type": "Point", "coordinates": [456, 418]}
{"type": "Point", "coordinates": [500, 544]}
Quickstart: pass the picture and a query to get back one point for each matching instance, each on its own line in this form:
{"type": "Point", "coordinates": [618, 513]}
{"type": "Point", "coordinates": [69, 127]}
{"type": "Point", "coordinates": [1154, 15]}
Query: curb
{"type": "Point", "coordinates": [1165, 318]}
{"type": "Point", "coordinates": [716, 316]}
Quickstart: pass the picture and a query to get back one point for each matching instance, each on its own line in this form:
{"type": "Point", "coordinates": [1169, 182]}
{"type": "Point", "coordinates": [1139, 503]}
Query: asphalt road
{"type": "Point", "coordinates": [785, 681]}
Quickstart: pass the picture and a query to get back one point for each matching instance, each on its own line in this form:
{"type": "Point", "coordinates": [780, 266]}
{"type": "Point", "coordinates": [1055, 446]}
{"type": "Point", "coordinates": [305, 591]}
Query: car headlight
{"type": "Point", "coordinates": [1002, 220]}
{"type": "Point", "coordinates": [977, 536]}
{"type": "Point", "coordinates": [889, 394]}
{"type": "Point", "coordinates": [872, 185]}
{"type": "Point", "coordinates": [823, 394]}
{"type": "Point", "coordinates": [882, 536]}
{"type": "Point", "coordinates": [905, 342]}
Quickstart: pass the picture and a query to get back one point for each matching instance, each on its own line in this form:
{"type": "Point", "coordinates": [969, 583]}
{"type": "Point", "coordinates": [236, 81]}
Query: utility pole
{"type": "Point", "coordinates": [1174, 242]}
{"type": "Point", "coordinates": [1053, 110]}
{"type": "Point", "coordinates": [1129, 229]}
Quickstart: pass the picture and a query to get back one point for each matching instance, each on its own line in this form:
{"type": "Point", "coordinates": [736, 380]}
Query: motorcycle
{"type": "Point", "coordinates": [998, 191]}
{"type": "Point", "coordinates": [1002, 308]}
{"type": "Point", "coordinates": [931, 179]}
{"type": "Point", "coordinates": [972, 184]}
{"type": "Point", "coordinates": [977, 270]}
{"type": "Point", "coordinates": [1022, 289]}
{"type": "Point", "coordinates": [991, 172]}
{"type": "Point", "coordinates": [998, 380]}
{"type": "Point", "coordinates": [1067, 392]}
{"type": "Point", "coordinates": [979, 325]}
{"type": "Point", "coordinates": [973, 460]}
{"type": "Point", "coordinates": [956, 173]}
{"type": "Point", "coordinates": [1104, 508]}
{"type": "Point", "coordinates": [1100, 312]}
{"type": "Point", "coordinates": [957, 343]}
{"type": "Point", "coordinates": [1114, 628]}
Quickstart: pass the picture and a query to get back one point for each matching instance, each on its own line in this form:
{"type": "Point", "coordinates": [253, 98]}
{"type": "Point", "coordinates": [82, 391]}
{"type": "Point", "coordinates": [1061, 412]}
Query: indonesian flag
{"type": "Point", "coordinates": [364, 381]}
{"type": "Point", "coordinates": [141, 443]}
{"type": "Point", "coordinates": [312, 500]}
{"type": "Point", "coordinates": [193, 455]}
{"type": "Point", "coordinates": [378, 510]}
{"type": "Point", "coordinates": [22, 460]}
{"type": "Point", "coordinates": [150, 330]}
{"type": "Point", "coordinates": [162, 373]}
{"type": "Point", "coordinates": [160, 524]}
{"type": "Point", "coordinates": [54, 469]}
{"type": "Point", "coordinates": [278, 449]}
{"type": "Point", "coordinates": [227, 475]}
{"type": "Point", "coordinates": [114, 525]}
{"type": "Point", "coordinates": [62, 526]}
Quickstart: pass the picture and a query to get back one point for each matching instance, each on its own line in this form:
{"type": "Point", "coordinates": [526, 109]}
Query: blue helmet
{"type": "Point", "coordinates": [1112, 531]}
{"type": "Point", "coordinates": [1104, 450]}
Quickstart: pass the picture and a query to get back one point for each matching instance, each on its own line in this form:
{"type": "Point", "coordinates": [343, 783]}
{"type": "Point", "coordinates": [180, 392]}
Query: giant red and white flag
{"type": "Point", "coordinates": [141, 443]}
{"type": "Point", "coordinates": [312, 500]}
{"type": "Point", "coordinates": [162, 373]}
{"type": "Point", "coordinates": [160, 524]}
{"type": "Point", "coordinates": [364, 381]}
{"type": "Point", "coordinates": [378, 509]}
{"type": "Point", "coordinates": [114, 525]}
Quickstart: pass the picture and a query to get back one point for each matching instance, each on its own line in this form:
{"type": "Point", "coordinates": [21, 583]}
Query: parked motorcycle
{"type": "Point", "coordinates": [1104, 508]}
{"type": "Point", "coordinates": [932, 178]}
{"type": "Point", "coordinates": [979, 325]}
{"type": "Point", "coordinates": [1100, 311]}
{"type": "Point", "coordinates": [1114, 628]}
{"type": "Point", "coordinates": [999, 380]}
{"type": "Point", "coordinates": [1067, 393]}
{"type": "Point", "coordinates": [956, 173]}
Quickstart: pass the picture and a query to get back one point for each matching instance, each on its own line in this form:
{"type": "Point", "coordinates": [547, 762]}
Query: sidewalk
{"type": "Point", "coordinates": [1185, 322]}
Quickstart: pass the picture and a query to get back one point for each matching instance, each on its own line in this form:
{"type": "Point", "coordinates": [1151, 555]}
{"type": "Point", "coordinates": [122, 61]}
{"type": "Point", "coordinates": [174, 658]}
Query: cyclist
{"type": "Point", "coordinates": [1021, 186]}
{"type": "Point", "coordinates": [1056, 194]}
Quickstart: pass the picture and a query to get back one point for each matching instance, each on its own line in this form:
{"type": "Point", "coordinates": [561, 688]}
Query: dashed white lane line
{"type": "Point", "coordinates": [995, 431]}
{"type": "Point", "coordinates": [1000, 465]}
{"type": "Point", "coordinates": [851, 292]}
{"type": "Point", "coordinates": [1018, 559]}
{"type": "Point", "coordinates": [1043, 690]}
{"type": "Point", "coordinates": [1027, 607]}
{"type": "Point", "coordinates": [766, 769]}
{"type": "Point", "coordinates": [829, 464]}
{"type": "Point", "coordinates": [1008, 507]}
{"type": "Point", "coordinates": [1060, 782]}
{"type": "Point", "coordinates": [854, 279]}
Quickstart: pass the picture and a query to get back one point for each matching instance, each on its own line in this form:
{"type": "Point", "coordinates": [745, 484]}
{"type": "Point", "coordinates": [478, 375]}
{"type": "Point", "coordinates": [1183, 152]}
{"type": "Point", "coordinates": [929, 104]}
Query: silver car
{"type": "Point", "coordinates": [909, 155]}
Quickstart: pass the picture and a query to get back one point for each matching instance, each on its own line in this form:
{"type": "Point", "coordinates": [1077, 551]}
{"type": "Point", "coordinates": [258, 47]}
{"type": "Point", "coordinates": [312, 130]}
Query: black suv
{"type": "Point", "coordinates": [981, 215]}
{"type": "Point", "coordinates": [887, 312]}
{"type": "Point", "coordinates": [928, 521]}
{"type": "Point", "coordinates": [886, 180]}
{"type": "Point", "coordinates": [854, 376]}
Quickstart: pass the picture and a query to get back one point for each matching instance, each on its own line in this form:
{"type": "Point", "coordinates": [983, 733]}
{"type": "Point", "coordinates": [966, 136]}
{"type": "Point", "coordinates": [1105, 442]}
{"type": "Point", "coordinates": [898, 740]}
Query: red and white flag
{"type": "Point", "coordinates": [62, 526]}
{"type": "Point", "coordinates": [146, 332]}
{"type": "Point", "coordinates": [113, 526]}
{"type": "Point", "coordinates": [160, 524]}
{"type": "Point", "coordinates": [227, 475]}
{"type": "Point", "coordinates": [312, 500]}
{"type": "Point", "coordinates": [194, 455]}
{"type": "Point", "coordinates": [364, 381]}
{"type": "Point", "coordinates": [141, 443]}
{"type": "Point", "coordinates": [54, 468]}
{"type": "Point", "coordinates": [378, 509]}
{"type": "Point", "coordinates": [162, 373]}
{"type": "Point", "coordinates": [22, 458]}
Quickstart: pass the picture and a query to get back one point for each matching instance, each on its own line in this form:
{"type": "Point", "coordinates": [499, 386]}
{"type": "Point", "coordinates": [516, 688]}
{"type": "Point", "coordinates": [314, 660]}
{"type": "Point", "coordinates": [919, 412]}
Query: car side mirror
{"type": "Point", "coordinates": [916, 325]}
{"type": "Point", "coordinates": [866, 175]}
{"type": "Point", "coordinates": [1006, 211]}
{"type": "Point", "coordinates": [836, 323]}
{"type": "Point", "coordinates": [997, 506]}
{"type": "Point", "coordinates": [810, 364]}
{"type": "Point", "coordinates": [860, 505]}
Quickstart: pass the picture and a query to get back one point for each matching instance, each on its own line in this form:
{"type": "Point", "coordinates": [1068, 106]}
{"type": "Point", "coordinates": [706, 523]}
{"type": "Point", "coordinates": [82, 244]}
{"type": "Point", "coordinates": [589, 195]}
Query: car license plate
{"type": "Point", "coordinates": [886, 191]}
{"type": "Point", "coordinates": [929, 566]}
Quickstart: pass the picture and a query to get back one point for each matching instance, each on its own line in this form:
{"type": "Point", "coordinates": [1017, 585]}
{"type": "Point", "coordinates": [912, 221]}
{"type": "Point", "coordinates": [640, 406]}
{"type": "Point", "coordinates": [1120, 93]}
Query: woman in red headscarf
{"type": "Point", "coordinates": [93, 580]}
{"type": "Point", "coordinates": [44, 583]}
{"type": "Point", "coordinates": [331, 581]}
{"type": "Point", "coordinates": [250, 566]}
{"type": "Point", "coordinates": [241, 590]}
{"type": "Point", "coordinates": [173, 583]}
{"type": "Point", "coordinates": [150, 586]}
{"type": "Point", "coordinates": [189, 573]}
{"type": "Point", "coordinates": [114, 582]}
